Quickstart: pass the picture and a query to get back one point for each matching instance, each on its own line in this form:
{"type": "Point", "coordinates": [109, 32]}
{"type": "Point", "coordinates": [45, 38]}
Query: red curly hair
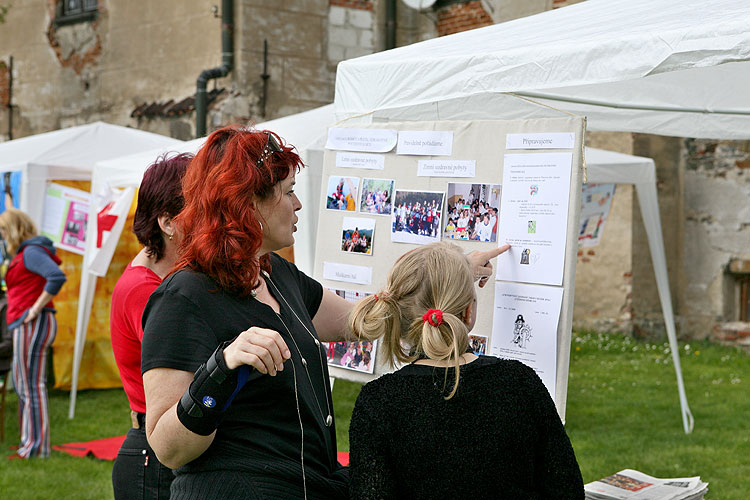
{"type": "Point", "coordinates": [221, 232]}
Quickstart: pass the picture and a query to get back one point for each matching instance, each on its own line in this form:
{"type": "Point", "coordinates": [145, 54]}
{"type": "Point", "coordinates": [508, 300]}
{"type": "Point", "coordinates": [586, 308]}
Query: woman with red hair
{"type": "Point", "coordinates": [236, 381]}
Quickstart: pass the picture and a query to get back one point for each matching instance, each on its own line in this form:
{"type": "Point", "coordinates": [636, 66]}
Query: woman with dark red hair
{"type": "Point", "coordinates": [236, 381]}
{"type": "Point", "coordinates": [137, 473]}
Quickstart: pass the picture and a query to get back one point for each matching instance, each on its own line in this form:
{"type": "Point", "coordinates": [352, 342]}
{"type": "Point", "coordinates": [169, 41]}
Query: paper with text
{"type": "Point", "coordinates": [446, 168]}
{"type": "Point", "coordinates": [524, 327]}
{"type": "Point", "coordinates": [534, 217]}
{"type": "Point", "coordinates": [425, 142]}
{"type": "Point", "coordinates": [369, 140]}
{"type": "Point", "coordinates": [335, 271]}
{"type": "Point", "coordinates": [550, 140]}
{"type": "Point", "coordinates": [360, 160]}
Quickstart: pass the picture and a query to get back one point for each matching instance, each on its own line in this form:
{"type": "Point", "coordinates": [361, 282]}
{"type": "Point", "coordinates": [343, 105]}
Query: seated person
{"type": "Point", "coordinates": [408, 435]}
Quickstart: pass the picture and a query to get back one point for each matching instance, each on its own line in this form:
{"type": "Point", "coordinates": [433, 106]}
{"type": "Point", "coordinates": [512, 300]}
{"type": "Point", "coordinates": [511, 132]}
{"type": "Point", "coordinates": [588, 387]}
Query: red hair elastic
{"type": "Point", "coordinates": [437, 321]}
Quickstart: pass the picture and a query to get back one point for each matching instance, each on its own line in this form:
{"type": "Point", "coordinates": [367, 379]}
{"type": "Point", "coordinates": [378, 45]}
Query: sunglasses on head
{"type": "Point", "coordinates": [272, 146]}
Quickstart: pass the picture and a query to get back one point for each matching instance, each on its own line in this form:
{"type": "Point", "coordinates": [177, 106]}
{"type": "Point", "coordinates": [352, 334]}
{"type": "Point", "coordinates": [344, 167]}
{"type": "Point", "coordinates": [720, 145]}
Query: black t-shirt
{"type": "Point", "coordinates": [189, 315]}
{"type": "Point", "coordinates": [498, 437]}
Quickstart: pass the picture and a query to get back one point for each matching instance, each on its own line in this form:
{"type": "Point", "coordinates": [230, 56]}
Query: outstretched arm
{"type": "Point", "coordinates": [480, 262]}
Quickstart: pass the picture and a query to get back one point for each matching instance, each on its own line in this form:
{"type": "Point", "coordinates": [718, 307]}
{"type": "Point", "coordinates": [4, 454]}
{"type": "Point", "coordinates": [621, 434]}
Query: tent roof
{"type": "Point", "coordinates": [301, 130]}
{"type": "Point", "coordinates": [671, 67]}
{"type": "Point", "coordinates": [77, 148]}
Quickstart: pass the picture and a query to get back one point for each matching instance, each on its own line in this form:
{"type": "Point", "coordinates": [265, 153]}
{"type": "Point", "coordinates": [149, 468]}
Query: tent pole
{"type": "Point", "coordinates": [647, 198]}
{"type": "Point", "coordinates": [88, 285]}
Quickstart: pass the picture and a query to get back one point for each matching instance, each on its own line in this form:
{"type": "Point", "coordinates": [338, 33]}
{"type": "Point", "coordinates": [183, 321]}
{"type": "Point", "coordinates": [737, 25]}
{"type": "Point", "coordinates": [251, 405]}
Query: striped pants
{"type": "Point", "coordinates": [30, 343]}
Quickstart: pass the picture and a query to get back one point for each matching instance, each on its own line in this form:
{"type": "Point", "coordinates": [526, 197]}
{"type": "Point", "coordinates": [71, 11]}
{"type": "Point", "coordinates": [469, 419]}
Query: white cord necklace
{"type": "Point", "coordinates": [327, 419]}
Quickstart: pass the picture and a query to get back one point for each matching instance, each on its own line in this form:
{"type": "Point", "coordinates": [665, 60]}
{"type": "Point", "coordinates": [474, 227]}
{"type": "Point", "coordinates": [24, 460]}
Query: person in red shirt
{"type": "Point", "coordinates": [137, 472]}
{"type": "Point", "coordinates": [33, 278]}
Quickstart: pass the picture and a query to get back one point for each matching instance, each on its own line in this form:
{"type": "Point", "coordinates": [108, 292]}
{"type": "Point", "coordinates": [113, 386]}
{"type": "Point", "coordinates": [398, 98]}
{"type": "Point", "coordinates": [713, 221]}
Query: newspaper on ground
{"type": "Point", "coordinates": [630, 484]}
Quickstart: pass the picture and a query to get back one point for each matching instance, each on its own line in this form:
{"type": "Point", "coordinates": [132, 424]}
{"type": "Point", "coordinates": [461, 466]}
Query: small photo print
{"type": "Point", "coordinates": [472, 212]}
{"type": "Point", "coordinates": [525, 256]}
{"type": "Point", "coordinates": [350, 295]}
{"type": "Point", "coordinates": [478, 344]}
{"type": "Point", "coordinates": [358, 356]}
{"type": "Point", "coordinates": [532, 227]}
{"type": "Point", "coordinates": [342, 193]}
{"type": "Point", "coordinates": [357, 234]}
{"type": "Point", "coordinates": [416, 216]}
{"type": "Point", "coordinates": [377, 196]}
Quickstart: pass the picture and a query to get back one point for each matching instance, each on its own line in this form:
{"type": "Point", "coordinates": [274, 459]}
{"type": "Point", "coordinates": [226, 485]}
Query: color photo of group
{"type": "Point", "coordinates": [416, 216]}
{"type": "Point", "coordinates": [358, 356]}
{"type": "Point", "coordinates": [357, 234]}
{"type": "Point", "coordinates": [472, 212]}
{"type": "Point", "coordinates": [377, 196]}
{"type": "Point", "coordinates": [342, 193]}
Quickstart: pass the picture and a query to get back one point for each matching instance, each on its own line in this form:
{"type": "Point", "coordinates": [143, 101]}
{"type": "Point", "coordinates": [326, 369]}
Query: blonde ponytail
{"type": "Point", "coordinates": [433, 277]}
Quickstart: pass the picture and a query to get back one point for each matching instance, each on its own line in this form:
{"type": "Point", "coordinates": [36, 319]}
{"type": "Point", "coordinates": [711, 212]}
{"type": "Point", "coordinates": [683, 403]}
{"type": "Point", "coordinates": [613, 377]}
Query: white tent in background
{"type": "Point", "coordinates": [68, 154]}
{"type": "Point", "coordinates": [668, 67]}
{"type": "Point", "coordinates": [116, 178]}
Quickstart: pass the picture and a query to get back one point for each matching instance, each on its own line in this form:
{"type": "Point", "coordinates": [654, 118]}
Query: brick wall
{"type": "Point", "coordinates": [462, 17]}
{"type": "Point", "coordinates": [4, 85]}
{"type": "Point", "coordinates": [353, 4]}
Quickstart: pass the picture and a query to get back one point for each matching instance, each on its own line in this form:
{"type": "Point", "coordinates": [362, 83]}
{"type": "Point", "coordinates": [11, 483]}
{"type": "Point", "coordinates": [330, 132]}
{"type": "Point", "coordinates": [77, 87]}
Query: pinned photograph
{"type": "Point", "coordinates": [342, 193]}
{"type": "Point", "coordinates": [478, 344]}
{"type": "Point", "coordinates": [416, 216]}
{"type": "Point", "coordinates": [357, 234]}
{"type": "Point", "coordinates": [358, 356]}
{"type": "Point", "coordinates": [377, 196]}
{"type": "Point", "coordinates": [473, 211]}
{"type": "Point", "coordinates": [350, 295]}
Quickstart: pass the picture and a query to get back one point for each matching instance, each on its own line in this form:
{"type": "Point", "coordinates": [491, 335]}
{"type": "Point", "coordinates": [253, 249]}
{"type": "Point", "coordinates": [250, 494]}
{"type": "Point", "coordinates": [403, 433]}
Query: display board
{"type": "Point", "coordinates": [389, 187]}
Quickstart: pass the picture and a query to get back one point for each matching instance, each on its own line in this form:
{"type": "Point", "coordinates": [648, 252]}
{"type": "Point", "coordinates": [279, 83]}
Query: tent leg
{"type": "Point", "coordinates": [647, 199]}
{"type": "Point", "coordinates": [88, 285]}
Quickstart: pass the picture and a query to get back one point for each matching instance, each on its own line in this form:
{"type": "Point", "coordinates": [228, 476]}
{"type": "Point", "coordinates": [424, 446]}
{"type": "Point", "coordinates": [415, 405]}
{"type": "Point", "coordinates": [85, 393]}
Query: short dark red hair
{"type": "Point", "coordinates": [221, 234]}
{"type": "Point", "coordinates": [160, 193]}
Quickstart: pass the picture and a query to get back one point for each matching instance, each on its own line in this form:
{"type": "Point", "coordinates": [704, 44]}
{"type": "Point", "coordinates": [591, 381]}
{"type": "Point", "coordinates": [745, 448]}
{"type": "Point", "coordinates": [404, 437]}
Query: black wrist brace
{"type": "Point", "coordinates": [210, 393]}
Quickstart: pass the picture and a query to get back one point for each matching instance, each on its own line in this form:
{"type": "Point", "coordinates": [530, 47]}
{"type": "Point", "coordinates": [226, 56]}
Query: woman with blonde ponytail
{"type": "Point", "coordinates": [450, 424]}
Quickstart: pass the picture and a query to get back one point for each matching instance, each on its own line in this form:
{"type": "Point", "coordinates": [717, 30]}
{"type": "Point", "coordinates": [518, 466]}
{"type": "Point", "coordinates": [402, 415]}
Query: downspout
{"type": "Point", "coordinates": [10, 100]}
{"type": "Point", "coordinates": [390, 24]}
{"type": "Point", "coordinates": [227, 58]}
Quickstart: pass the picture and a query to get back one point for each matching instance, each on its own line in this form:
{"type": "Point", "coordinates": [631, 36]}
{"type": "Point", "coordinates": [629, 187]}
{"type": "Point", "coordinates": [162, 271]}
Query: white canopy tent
{"type": "Point", "coordinates": [668, 67]}
{"type": "Point", "coordinates": [117, 178]}
{"type": "Point", "coordinates": [68, 154]}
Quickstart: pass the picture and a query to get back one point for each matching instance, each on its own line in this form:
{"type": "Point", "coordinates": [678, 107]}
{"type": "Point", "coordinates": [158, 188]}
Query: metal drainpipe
{"type": "Point", "coordinates": [390, 24]}
{"type": "Point", "coordinates": [227, 58]}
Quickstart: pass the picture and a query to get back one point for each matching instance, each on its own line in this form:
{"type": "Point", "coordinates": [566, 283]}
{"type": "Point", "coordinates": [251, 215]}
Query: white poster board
{"type": "Point", "coordinates": [66, 216]}
{"type": "Point", "coordinates": [442, 165]}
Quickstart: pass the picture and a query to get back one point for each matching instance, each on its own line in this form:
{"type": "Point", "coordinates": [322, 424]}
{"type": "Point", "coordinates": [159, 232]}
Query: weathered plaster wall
{"type": "Point", "coordinates": [153, 52]}
{"type": "Point", "coordinates": [717, 230]}
{"type": "Point", "coordinates": [603, 273]}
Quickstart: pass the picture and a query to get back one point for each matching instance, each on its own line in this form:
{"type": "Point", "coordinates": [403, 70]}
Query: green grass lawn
{"type": "Point", "coordinates": [623, 412]}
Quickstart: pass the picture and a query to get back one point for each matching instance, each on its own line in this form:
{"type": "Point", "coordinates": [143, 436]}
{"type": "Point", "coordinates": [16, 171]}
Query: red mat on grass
{"type": "Point", "coordinates": [106, 449]}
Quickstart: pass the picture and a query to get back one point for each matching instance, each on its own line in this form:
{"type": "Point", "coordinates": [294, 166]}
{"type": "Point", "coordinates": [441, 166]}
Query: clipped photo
{"type": "Point", "coordinates": [358, 356]}
{"type": "Point", "coordinates": [342, 193]}
{"type": "Point", "coordinates": [473, 212]}
{"type": "Point", "coordinates": [357, 234]}
{"type": "Point", "coordinates": [416, 216]}
{"type": "Point", "coordinates": [478, 344]}
{"type": "Point", "coordinates": [377, 196]}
